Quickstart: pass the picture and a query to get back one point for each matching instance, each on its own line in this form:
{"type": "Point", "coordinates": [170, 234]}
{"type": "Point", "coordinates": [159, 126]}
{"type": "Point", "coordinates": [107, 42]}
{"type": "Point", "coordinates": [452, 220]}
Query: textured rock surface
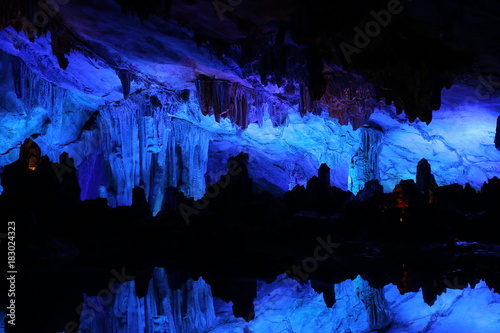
{"type": "Point", "coordinates": [284, 305]}
{"type": "Point", "coordinates": [143, 111]}
{"type": "Point", "coordinates": [185, 310]}
{"type": "Point", "coordinates": [279, 306]}
{"type": "Point", "coordinates": [497, 134]}
{"type": "Point", "coordinates": [227, 107]}
{"type": "Point", "coordinates": [365, 163]}
{"type": "Point", "coordinates": [454, 311]}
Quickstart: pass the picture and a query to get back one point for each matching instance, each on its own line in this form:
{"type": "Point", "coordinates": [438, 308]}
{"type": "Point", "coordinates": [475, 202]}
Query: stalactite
{"type": "Point", "coordinates": [497, 134]}
{"type": "Point", "coordinates": [35, 91]}
{"type": "Point", "coordinates": [222, 98]}
{"type": "Point", "coordinates": [187, 158]}
{"type": "Point", "coordinates": [92, 175]}
{"type": "Point", "coordinates": [21, 15]}
{"type": "Point", "coordinates": [348, 98]}
{"type": "Point", "coordinates": [143, 9]}
{"type": "Point", "coordinates": [273, 64]}
{"type": "Point", "coordinates": [62, 42]}
{"type": "Point", "coordinates": [146, 147]}
{"type": "Point", "coordinates": [213, 96]}
{"type": "Point", "coordinates": [131, 135]}
{"type": "Point", "coordinates": [305, 101]}
{"type": "Point", "coordinates": [124, 76]}
{"type": "Point", "coordinates": [17, 74]}
{"type": "Point", "coordinates": [239, 106]}
{"type": "Point", "coordinates": [204, 93]}
{"type": "Point", "coordinates": [316, 79]}
{"type": "Point", "coordinates": [365, 163]}
{"type": "Point", "coordinates": [277, 109]}
{"type": "Point", "coordinates": [36, 18]}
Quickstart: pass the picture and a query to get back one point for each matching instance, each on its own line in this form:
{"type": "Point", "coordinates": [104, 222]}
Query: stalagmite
{"type": "Point", "coordinates": [424, 176]}
{"type": "Point", "coordinates": [324, 175]}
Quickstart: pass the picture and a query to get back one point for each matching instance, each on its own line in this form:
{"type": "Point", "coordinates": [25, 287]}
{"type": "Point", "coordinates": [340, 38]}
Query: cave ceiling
{"type": "Point", "coordinates": [409, 50]}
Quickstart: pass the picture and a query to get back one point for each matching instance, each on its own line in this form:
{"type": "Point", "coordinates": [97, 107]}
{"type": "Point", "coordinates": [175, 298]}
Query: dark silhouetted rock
{"type": "Point", "coordinates": [124, 76]}
{"type": "Point", "coordinates": [490, 193]}
{"type": "Point", "coordinates": [424, 176]}
{"type": "Point", "coordinates": [324, 175]}
{"type": "Point", "coordinates": [34, 183]}
{"type": "Point", "coordinates": [139, 202]}
{"type": "Point", "coordinates": [372, 188]}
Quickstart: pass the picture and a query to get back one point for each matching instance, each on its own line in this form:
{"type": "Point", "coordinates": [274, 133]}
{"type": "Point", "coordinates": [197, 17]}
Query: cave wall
{"type": "Point", "coordinates": [158, 138]}
{"type": "Point", "coordinates": [155, 107]}
{"type": "Point", "coordinates": [458, 144]}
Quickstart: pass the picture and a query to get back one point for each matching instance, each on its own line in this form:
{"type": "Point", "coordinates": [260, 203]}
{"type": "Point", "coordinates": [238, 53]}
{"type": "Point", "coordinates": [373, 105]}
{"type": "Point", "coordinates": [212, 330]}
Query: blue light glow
{"type": "Point", "coordinates": [284, 305]}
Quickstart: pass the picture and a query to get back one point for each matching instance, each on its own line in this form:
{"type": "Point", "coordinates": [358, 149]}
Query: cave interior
{"type": "Point", "coordinates": [250, 166]}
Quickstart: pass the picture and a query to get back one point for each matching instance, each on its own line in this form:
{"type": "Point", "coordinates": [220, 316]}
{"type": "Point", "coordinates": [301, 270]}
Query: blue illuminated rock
{"type": "Point", "coordinates": [284, 305]}
{"type": "Point", "coordinates": [497, 134]}
{"type": "Point", "coordinates": [162, 310]}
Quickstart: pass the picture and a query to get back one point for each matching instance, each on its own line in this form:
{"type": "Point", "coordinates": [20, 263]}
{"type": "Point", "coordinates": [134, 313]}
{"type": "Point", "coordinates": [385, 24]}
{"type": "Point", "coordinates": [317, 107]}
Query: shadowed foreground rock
{"type": "Point", "coordinates": [238, 238]}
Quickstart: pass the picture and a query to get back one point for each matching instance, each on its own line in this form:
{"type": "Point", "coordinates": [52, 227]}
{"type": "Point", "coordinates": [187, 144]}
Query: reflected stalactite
{"type": "Point", "coordinates": [187, 308]}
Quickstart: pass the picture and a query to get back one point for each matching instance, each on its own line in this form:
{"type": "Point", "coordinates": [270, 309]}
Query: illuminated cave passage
{"type": "Point", "coordinates": [251, 166]}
